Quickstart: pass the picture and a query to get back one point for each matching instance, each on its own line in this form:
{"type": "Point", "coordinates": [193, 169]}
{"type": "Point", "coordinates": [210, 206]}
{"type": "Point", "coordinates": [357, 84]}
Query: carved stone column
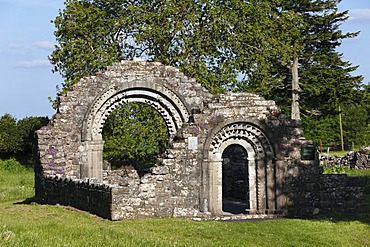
{"type": "Point", "coordinates": [215, 188]}
{"type": "Point", "coordinates": [270, 183]}
{"type": "Point", "coordinates": [252, 179]}
{"type": "Point", "coordinates": [261, 186]}
{"type": "Point", "coordinates": [94, 163]}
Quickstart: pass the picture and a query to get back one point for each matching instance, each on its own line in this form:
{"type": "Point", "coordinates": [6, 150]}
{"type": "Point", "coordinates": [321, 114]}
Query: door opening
{"type": "Point", "coordinates": [235, 180]}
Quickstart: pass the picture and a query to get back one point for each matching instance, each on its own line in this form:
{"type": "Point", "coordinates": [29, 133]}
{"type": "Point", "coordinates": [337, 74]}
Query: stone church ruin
{"type": "Point", "coordinates": [228, 154]}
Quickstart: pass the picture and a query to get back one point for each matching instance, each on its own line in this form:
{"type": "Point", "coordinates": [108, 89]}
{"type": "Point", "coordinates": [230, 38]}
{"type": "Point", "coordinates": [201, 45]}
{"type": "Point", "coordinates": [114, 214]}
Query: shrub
{"type": "Point", "coordinates": [335, 169]}
{"type": "Point", "coordinates": [11, 165]}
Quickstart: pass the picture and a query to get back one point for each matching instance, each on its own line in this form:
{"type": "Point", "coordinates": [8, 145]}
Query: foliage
{"type": "Point", "coordinates": [337, 169]}
{"type": "Point", "coordinates": [202, 38]}
{"type": "Point", "coordinates": [257, 46]}
{"type": "Point", "coordinates": [11, 165]}
{"type": "Point", "coordinates": [17, 138]}
{"type": "Point", "coordinates": [356, 125]}
{"type": "Point", "coordinates": [323, 129]}
{"type": "Point", "coordinates": [325, 80]}
{"type": "Point", "coordinates": [10, 139]}
{"type": "Point", "coordinates": [134, 133]}
{"type": "Point", "coordinates": [85, 43]}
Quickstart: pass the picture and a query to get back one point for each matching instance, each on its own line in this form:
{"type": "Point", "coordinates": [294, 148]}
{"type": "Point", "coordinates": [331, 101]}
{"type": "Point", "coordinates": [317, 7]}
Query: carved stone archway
{"type": "Point", "coordinates": [166, 102]}
{"type": "Point", "coordinates": [261, 168]}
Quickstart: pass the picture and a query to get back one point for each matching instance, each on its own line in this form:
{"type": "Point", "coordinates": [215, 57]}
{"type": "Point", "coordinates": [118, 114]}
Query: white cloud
{"type": "Point", "coordinates": [36, 63]}
{"type": "Point", "coordinates": [45, 44]}
{"type": "Point", "coordinates": [360, 14]}
{"type": "Point", "coordinates": [14, 46]}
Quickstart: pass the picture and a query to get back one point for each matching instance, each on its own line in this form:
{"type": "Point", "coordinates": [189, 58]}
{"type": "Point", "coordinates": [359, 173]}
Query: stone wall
{"type": "Point", "coordinates": [330, 193]}
{"type": "Point", "coordinates": [186, 180]}
{"type": "Point", "coordinates": [353, 160]}
{"type": "Point", "coordinates": [86, 194]}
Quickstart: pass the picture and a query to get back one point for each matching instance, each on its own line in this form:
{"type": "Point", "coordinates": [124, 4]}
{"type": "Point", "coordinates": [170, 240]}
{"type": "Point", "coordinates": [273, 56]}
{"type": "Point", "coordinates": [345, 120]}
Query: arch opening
{"type": "Point", "coordinates": [134, 135]}
{"type": "Point", "coordinates": [235, 180]}
{"type": "Point", "coordinates": [161, 100]}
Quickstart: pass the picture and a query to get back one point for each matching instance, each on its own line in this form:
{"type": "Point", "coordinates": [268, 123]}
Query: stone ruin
{"type": "Point", "coordinates": [228, 154]}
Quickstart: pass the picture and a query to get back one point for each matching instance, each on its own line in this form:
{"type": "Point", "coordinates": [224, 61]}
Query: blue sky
{"type": "Point", "coordinates": [26, 39]}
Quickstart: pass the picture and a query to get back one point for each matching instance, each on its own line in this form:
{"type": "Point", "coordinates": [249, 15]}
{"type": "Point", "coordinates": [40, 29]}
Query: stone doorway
{"type": "Point", "coordinates": [235, 180]}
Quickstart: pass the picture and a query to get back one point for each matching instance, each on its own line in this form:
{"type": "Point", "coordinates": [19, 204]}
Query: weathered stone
{"type": "Point", "coordinates": [188, 180]}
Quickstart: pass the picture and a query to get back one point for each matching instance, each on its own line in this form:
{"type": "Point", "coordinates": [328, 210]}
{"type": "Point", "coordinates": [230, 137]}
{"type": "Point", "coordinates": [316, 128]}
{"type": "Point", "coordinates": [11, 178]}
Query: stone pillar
{"type": "Point", "coordinates": [270, 183]}
{"type": "Point", "coordinates": [205, 186]}
{"type": "Point", "coordinates": [279, 184]}
{"type": "Point", "coordinates": [215, 188]}
{"type": "Point", "coordinates": [94, 163]}
{"type": "Point", "coordinates": [261, 186]}
{"type": "Point", "coordinates": [252, 179]}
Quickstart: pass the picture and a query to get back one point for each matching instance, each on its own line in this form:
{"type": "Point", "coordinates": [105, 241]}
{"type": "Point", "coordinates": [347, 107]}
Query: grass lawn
{"type": "Point", "coordinates": [46, 225]}
{"type": "Point", "coordinates": [337, 153]}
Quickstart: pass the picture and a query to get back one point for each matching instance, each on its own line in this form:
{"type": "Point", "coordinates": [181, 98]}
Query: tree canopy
{"type": "Point", "coordinates": [17, 137]}
{"type": "Point", "coordinates": [283, 50]}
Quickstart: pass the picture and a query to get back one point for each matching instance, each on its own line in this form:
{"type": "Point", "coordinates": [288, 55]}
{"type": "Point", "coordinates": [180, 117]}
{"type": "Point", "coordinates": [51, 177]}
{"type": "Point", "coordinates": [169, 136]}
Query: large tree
{"type": "Point", "coordinates": [284, 50]}
{"type": "Point", "coordinates": [309, 74]}
{"type": "Point", "coordinates": [194, 36]}
{"type": "Point", "coordinates": [308, 77]}
{"type": "Point", "coordinates": [216, 42]}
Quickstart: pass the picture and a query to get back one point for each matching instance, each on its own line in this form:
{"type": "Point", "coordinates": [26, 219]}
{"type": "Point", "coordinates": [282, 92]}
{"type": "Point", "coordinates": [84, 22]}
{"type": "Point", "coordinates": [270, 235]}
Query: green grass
{"type": "Point", "coordinates": [337, 169]}
{"type": "Point", "coordinates": [337, 153]}
{"type": "Point", "coordinates": [47, 225]}
{"type": "Point", "coordinates": [16, 186]}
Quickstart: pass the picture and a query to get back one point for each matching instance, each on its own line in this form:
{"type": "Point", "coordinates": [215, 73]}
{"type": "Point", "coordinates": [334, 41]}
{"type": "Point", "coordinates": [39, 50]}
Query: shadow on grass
{"type": "Point", "coordinates": [337, 218]}
{"type": "Point", "coordinates": [29, 201]}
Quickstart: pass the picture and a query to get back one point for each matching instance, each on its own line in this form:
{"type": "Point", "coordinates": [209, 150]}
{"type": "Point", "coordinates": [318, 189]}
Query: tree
{"type": "Point", "coordinates": [17, 138]}
{"type": "Point", "coordinates": [10, 139]}
{"type": "Point", "coordinates": [191, 35]}
{"type": "Point", "coordinates": [306, 62]}
{"type": "Point", "coordinates": [307, 76]}
{"type": "Point", "coordinates": [209, 40]}
{"type": "Point", "coordinates": [26, 128]}
{"type": "Point", "coordinates": [88, 38]}
{"type": "Point", "coordinates": [284, 50]}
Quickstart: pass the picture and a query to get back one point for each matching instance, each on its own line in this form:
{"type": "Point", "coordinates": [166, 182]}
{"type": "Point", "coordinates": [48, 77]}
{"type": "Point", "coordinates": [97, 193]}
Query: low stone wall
{"type": "Point", "coordinates": [331, 193]}
{"type": "Point", "coordinates": [82, 194]}
{"type": "Point", "coordinates": [322, 194]}
{"type": "Point", "coordinates": [353, 160]}
{"type": "Point", "coordinates": [340, 193]}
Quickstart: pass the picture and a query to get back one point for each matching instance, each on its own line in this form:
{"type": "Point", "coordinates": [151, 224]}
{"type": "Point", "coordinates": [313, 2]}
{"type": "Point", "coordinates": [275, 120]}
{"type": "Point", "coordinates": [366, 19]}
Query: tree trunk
{"type": "Point", "coordinates": [295, 91]}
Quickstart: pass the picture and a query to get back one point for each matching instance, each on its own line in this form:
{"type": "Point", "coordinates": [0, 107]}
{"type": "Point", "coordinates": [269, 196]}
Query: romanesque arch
{"type": "Point", "coordinates": [173, 110]}
{"type": "Point", "coordinates": [261, 168]}
{"type": "Point", "coordinates": [168, 104]}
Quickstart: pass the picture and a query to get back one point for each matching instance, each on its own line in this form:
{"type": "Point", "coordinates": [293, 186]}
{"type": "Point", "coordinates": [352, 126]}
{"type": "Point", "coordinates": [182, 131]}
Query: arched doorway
{"type": "Point", "coordinates": [259, 156]}
{"type": "Point", "coordinates": [235, 180]}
